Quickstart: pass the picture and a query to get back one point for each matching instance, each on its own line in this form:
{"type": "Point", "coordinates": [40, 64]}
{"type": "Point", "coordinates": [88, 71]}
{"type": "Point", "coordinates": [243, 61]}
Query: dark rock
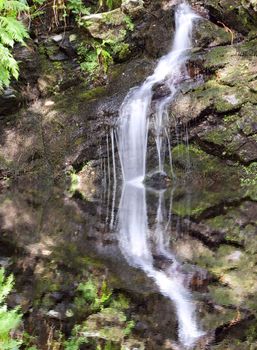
{"type": "Point", "coordinates": [10, 102]}
{"type": "Point", "coordinates": [60, 56]}
{"type": "Point", "coordinates": [160, 91]}
{"type": "Point", "coordinates": [140, 327]}
{"type": "Point", "coordinates": [67, 47]}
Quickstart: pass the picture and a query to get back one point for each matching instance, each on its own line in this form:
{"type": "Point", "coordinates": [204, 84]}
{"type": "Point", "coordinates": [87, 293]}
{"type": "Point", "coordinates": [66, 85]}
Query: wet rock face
{"type": "Point", "coordinates": [213, 211]}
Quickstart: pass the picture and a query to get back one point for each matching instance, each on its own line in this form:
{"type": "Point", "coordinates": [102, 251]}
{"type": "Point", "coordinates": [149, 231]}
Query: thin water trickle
{"type": "Point", "coordinates": [138, 243]}
{"type": "Point", "coordinates": [114, 180]}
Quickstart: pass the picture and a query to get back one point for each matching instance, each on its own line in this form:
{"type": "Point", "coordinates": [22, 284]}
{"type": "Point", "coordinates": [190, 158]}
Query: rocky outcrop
{"type": "Point", "coordinates": [53, 128]}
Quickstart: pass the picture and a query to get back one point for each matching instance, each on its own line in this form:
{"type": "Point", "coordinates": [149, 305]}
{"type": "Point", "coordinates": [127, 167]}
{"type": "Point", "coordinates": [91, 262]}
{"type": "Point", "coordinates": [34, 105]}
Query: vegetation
{"type": "Point", "coordinates": [12, 31]}
{"type": "Point", "coordinates": [106, 320]}
{"type": "Point", "coordinates": [9, 319]}
{"type": "Point", "coordinates": [94, 301]}
{"type": "Point", "coordinates": [95, 56]}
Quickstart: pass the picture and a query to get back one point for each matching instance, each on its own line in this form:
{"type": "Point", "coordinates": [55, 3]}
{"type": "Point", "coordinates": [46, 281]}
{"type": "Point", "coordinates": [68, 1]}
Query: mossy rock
{"type": "Point", "coordinates": [210, 181]}
{"type": "Point", "coordinates": [110, 25]}
{"type": "Point", "coordinates": [209, 34]}
{"type": "Point", "coordinates": [211, 96]}
{"type": "Point", "coordinates": [93, 94]}
{"type": "Point", "coordinates": [110, 324]}
{"type": "Point", "coordinates": [200, 162]}
{"type": "Point", "coordinates": [233, 13]}
{"type": "Point", "coordinates": [235, 136]}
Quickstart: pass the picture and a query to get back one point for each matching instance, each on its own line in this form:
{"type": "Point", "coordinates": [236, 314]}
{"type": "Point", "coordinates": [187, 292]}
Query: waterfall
{"type": "Point", "coordinates": [133, 120]}
{"type": "Point", "coordinates": [137, 241]}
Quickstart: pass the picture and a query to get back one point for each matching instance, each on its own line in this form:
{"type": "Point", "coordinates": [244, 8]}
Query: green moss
{"type": "Point", "coordinates": [222, 295]}
{"type": "Point", "coordinates": [93, 94]}
{"type": "Point", "coordinates": [211, 180]}
{"type": "Point", "coordinates": [194, 157]}
{"type": "Point", "coordinates": [219, 57]}
{"type": "Point", "coordinates": [247, 48]}
{"type": "Point", "coordinates": [114, 18]}
{"type": "Point", "coordinates": [121, 50]}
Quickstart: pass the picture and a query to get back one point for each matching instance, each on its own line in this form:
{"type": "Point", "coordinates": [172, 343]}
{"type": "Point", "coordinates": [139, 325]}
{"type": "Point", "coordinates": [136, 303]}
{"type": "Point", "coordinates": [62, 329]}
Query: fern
{"type": "Point", "coordinates": [11, 31]}
{"type": "Point", "coordinates": [9, 319]}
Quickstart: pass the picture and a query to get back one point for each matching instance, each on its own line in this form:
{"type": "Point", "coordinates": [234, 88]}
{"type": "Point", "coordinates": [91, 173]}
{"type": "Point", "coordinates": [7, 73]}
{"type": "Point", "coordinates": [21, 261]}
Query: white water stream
{"type": "Point", "coordinates": [137, 241]}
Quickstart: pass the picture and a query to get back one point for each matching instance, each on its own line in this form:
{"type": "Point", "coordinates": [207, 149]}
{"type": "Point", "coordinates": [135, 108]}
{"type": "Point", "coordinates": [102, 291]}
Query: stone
{"type": "Point", "coordinates": [208, 34]}
{"type": "Point", "coordinates": [54, 314]}
{"type": "Point", "coordinates": [235, 256]}
{"type": "Point", "coordinates": [107, 25]}
{"type": "Point", "coordinates": [10, 102]}
{"type": "Point", "coordinates": [57, 38]}
{"type": "Point", "coordinates": [60, 56]}
{"type": "Point", "coordinates": [132, 7]}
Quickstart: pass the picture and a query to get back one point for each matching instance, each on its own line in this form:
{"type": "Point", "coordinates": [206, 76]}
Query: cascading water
{"type": "Point", "coordinates": [133, 120]}
{"type": "Point", "coordinates": [136, 239]}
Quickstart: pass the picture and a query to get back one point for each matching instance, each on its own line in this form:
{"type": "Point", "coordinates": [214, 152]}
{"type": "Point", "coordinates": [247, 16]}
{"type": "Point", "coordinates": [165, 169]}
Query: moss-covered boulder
{"type": "Point", "coordinates": [110, 25]}
{"type": "Point", "coordinates": [238, 15]}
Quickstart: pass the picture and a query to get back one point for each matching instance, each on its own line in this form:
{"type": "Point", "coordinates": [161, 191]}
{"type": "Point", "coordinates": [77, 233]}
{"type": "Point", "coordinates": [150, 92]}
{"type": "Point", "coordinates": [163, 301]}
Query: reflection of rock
{"type": "Point", "coordinates": [157, 181]}
{"type": "Point", "coordinates": [89, 180]}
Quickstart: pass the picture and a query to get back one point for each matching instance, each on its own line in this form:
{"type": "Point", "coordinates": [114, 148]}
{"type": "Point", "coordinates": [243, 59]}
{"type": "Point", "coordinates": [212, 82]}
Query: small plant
{"type": "Point", "coordinates": [75, 340]}
{"type": "Point", "coordinates": [96, 297]}
{"type": "Point", "coordinates": [95, 58]}
{"type": "Point", "coordinates": [11, 31]}
{"type": "Point", "coordinates": [77, 8]}
{"type": "Point", "coordinates": [129, 24]}
{"type": "Point", "coordinates": [9, 319]}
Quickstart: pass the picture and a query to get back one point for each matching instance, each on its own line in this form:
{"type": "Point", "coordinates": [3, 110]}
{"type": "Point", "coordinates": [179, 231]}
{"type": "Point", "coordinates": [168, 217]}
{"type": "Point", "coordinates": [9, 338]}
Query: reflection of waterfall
{"type": "Point", "coordinates": [137, 241]}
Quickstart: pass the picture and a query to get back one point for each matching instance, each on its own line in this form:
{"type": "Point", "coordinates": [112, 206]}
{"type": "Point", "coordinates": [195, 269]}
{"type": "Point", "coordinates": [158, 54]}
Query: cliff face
{"type": "Point", "coordinates": [54, 123]}
{"type": "Point", "coordinates": [63, 109]}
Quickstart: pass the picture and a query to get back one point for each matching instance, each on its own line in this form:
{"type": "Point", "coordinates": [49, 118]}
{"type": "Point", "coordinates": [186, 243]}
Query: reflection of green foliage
{"type": "Point", "coordinates": [106, 316]}
{"type": "Point", "coordinates": [250, 177]}
{"type": "Point", "coordinates": [120, 302]}
{"type": "Point", "coordinates": [249, 180]}
{"type": "Point", "coordinates": [129, 327]}
{"type": "Point", "coordinates": [9, 319]}
{"type": "Point", "coordinates": [88, 291]}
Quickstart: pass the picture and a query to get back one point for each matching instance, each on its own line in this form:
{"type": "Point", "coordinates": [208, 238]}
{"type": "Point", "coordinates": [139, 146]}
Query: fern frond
{"type": "Point", "coordinates": [6, 285]}
{"type": "Point", "coordinates": [13, 6]}
{"type": "Point", "coordinates": [15, 28]}
{"type": "Point", "coordinates": [6, 38]}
